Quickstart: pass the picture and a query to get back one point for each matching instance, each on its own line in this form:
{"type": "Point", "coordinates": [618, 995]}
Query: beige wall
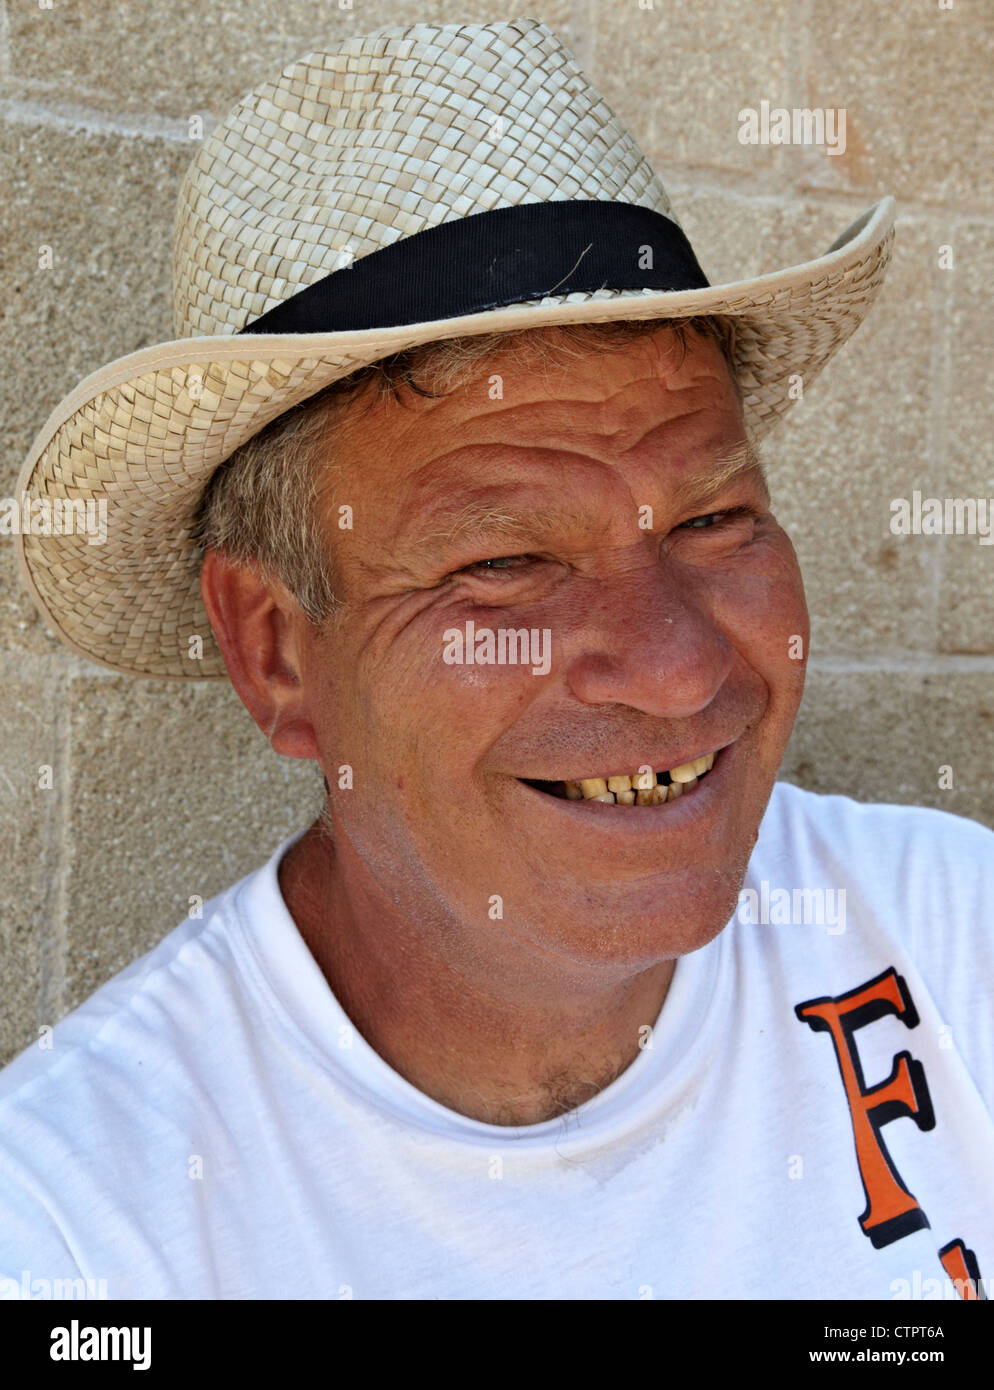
{"type": "Point", "coordinates": [161, 793]}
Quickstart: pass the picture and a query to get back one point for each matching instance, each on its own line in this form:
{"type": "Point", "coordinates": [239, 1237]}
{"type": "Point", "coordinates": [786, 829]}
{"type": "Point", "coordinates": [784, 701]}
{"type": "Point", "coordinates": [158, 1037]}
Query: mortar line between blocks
{"type": "Point", "coordinates": [707, 178]}
{"type": "Point", "coordinates": [937, 447]}
{"type": "Point", "coordinates": [81, 118]}
{"type": "Point", "coordinates": [53, 937]}
{"type": "Point", "coordinates": [583, 33]}
{"type": "Point", "coordinates": [4, 40]}
{"type": "Point", "coordinates": [917, 663]}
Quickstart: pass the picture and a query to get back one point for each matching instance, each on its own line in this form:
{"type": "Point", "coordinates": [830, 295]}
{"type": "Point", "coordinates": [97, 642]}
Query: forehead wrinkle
{"type": "Point", "coordinates": [487, 516]}
{"type": "Point", "coordinates": [563, 425]}
{"type": "Point", "coordinates": [499, 488]}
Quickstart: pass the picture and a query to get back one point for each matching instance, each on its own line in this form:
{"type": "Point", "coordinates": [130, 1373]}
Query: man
{"type": "Point", "coordinates": [479, 526]}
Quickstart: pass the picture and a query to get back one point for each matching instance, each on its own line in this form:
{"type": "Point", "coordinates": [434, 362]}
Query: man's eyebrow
{"type": "Point", "coordinates": [486, 519]}
{"type": "Point", "coordinates": [705, 485]}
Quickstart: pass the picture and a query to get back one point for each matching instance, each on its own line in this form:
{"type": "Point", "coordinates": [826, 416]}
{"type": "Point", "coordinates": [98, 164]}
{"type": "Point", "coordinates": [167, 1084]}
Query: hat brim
{"type": "Point", "coordinates": [146, 432]}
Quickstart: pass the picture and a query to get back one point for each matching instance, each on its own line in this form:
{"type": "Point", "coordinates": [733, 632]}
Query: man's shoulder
{"type": "Point", "coordinates": [872, 833]}
{"type": "Point", "coordinates": [910, 877]}
{"type": "Point", "coordinates": [135, 1015]}
{"type": "Point", "coordinates": [908, 888]}
{"type": "Point", "coordinates": [920, 877]}
{"type": "Point", "coordinates": [100, 1115]}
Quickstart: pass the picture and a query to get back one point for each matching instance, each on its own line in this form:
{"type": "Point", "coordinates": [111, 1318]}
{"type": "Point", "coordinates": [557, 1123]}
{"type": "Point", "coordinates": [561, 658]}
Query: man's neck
{"type": "Point", "coordinates": [509, 1039]}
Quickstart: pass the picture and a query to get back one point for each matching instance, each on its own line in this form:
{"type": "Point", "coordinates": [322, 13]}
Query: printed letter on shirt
{"type": "Point", "coordinates": [891, 1210]}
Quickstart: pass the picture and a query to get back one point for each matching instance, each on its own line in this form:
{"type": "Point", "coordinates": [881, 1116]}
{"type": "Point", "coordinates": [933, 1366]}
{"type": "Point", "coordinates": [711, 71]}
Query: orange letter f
{"type": "Point", "coordinates": [891, 1210]}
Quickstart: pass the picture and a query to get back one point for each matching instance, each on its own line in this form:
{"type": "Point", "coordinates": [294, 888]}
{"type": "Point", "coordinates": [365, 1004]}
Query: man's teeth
{"type": "Point", "coordinates": [641, 788]}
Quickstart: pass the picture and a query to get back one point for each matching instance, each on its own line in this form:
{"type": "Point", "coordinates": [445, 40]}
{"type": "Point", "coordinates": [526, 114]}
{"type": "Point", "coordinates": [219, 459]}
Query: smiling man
{"type": "Point", "coordinates": [563, 995]}
{"type": "Point", "coordinates": [670, 644]}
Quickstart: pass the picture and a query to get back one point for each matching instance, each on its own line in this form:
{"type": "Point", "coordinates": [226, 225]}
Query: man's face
{"type": "Point", "coordinates": [577, 504]}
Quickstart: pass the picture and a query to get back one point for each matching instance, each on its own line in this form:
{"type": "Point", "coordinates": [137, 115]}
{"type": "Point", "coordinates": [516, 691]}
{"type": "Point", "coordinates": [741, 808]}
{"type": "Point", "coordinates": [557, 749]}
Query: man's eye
{"type": "Point", "coordinates": [499, 564]}
{"type": "Point", "coordinates": [710, 520]}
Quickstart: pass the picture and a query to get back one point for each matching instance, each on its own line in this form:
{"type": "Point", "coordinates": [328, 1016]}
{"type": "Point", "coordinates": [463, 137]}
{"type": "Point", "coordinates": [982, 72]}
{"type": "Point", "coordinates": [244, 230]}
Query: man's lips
{"type": "Point", "coordinates": [689, 812]}
{"type": "Point", "coordinates": [642, 783]}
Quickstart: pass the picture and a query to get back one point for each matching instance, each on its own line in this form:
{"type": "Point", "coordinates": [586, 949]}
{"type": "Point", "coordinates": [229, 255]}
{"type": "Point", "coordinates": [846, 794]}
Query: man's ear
{"type": "Point", "coordinates": [262, 632]}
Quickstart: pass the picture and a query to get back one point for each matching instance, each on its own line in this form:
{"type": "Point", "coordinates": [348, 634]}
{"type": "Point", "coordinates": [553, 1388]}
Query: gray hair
{"type": "Point", "coordinates": [260, 507]}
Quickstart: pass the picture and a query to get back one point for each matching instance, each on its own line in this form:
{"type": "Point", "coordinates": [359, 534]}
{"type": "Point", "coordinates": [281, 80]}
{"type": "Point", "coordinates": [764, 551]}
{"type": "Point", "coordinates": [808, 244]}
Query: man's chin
{"type": "Point", "coordinates": [644, 924]}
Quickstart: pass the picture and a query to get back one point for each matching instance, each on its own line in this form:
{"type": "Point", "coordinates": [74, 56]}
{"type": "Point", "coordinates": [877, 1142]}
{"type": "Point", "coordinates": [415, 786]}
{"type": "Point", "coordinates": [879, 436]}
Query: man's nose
{"type": "Point", "coordinates": [649, 641]}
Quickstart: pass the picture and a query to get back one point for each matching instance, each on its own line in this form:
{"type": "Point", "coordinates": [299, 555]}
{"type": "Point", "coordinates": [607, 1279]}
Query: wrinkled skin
{"type": "Point", "coordinates": [667, 641]}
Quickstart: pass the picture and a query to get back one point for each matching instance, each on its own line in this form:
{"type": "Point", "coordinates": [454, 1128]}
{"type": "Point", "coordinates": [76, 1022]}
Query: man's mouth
{"type": "Point", "coordinates": [641, 788]}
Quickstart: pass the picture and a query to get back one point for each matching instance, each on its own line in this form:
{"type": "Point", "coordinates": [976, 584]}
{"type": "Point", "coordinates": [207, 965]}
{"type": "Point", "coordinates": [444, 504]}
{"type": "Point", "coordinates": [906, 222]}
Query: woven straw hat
{"type": "Point", "coordinates": [405, 186]}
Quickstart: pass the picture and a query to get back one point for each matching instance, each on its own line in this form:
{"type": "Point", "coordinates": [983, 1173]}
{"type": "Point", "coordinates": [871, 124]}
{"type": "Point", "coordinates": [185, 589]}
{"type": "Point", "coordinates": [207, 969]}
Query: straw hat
{"type": "Point", "coordinates": [404, 186]}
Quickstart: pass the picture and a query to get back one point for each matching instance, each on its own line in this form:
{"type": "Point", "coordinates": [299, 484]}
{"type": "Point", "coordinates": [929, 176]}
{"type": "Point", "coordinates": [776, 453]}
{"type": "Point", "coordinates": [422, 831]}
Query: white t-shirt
{"type": "Point", "coordinates": [210, 1125]}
